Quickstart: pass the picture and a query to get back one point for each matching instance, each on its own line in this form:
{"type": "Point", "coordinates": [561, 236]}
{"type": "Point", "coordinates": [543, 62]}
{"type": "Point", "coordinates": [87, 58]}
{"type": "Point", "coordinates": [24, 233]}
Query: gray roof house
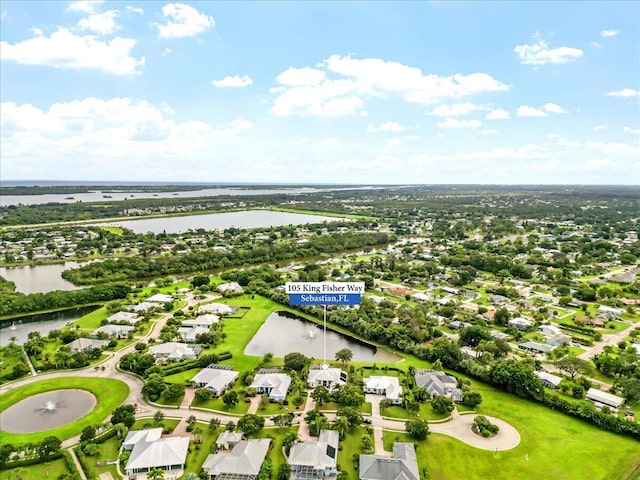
{"type": "Point", "coordinates": [438, 383]}
{"type": "Point", "coordinates": [315, 459]}
{"type": "Point", "coordinates": [135, 436]}
{"type": "Point", "coordinates": [402, 466]}
{"type": "Point", "coordinates": [172, 351]}
{"type": "Point", "coordinates": [206, 321]}
{"type": "Point", "coordinates": [149, 452]}
{"type": "Point", "coordinates": [82, 344]}
{"type": "Point", "coordinates": [217, 380]}
{"type": "Point", "coordinates": [275, 385]}
{"type": "Point", "coordinates": [550, 380]}
{"type": "Point", "coordinates": [112, 331]}
{"type": "Point", "coordinates": [601, 398]}
{"type": "Point", "coordinates": [384, 385]}
{"type": "Point", "coordinates": [243, 462]}
{"type": "Point", "coordinates": [190, 334]}
{"type": "Point", "coordinates": [330, 378]}
{"type": "Point", "coordinates": [128, 317]}
{"type": "Point", "coordinates": [228, 439]}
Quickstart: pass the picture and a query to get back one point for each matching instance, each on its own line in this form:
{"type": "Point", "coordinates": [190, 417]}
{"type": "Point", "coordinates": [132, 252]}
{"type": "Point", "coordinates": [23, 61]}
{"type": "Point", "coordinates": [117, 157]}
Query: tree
{"type": "Point", "coordinates": [250, 424]}
{"type": "Point", "coordinates": [5, 452]}
{"type": "Point", "coordinates": [155, 474]}
{"type": "Point", "coordinates": [173, 392]}
{"type": "Point", "coordinates": [353, 416]}
{"type": "Point", "coordinates": [471, 399]}
{"type": "Point", "coordinates": [316, 421]}
{"type": "Point", "coordinates": [49, 446]}
{"type": "Point", "coordinates": [574, 365]}
{"type": "Point", "coordinates": [200, 280]}
{"type": "Point", "coordinates": [483, 426]}
{"type": "Point", "coordinates": [630, 389]}
{"type": "Point", "coordinates": [289, 439]}
{"type": "Point", "coordinates": [154, 386]}
{"type": "Point", "coordinates": [230, 398]}
{"type": "Point", "coordinates": [350, 395]}
{"type": "Point", "coordinates": [88, 433]}
{"type": "Point", "coordinates": [295, 361]}
{"type": "Point", "coordinates": [158, 416]}
{"type": "Point", "coordinates": [320, 394]}
{"type": "Point", "coordinates": [202, 394]}
{"type": "Point", "coordinates": [442, 404]}
{"type": "Point", "coordinates": [344, 355]}
{"type": "Point", "coordinates": [284, 471]}
{"type": "Point", "coordinates": [418, 429]}
{"type": "Point", "coordinates": [502, 316]}
{"type": "Point", "coordinates": [578, 391]}
{"type": "Point", "coordinates": [124, 414]}
{"type": "Point", "coordinates": [214, 423]}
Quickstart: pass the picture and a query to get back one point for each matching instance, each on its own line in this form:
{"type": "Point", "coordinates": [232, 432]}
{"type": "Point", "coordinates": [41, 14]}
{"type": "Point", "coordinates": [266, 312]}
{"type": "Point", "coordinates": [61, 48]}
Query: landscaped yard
{"type": "Point", "coordinates": [349, 446]}
{"type": "Point", "coordinates": [10, 355]}
{"type": "Point", "coordinates": [275, 449]}
{"type": "Point", "coordinates": [182, 377]}
{"type": "Point", "coordinates": [426, 412]}
{"type": "Point", "coordinates": [48, 470]}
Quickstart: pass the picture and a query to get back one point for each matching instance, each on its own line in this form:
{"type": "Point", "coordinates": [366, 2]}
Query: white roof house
{"type": "Point", "coordinates": [402, 466]}
{"type": "Point", "coordinates": [603, 398]}
{"type": "Point", "coordinates": [421, 297]}
{"type": "Point", "coordinates": [206, 320]}
{"type": "Point", "coordinates": [328, 378]}
{"type": "Point", "coordinates": [243, 461]}
{"type": "Point", "coordinates": [228, 439]}
{"type": "Point", "coordinates": [550, 380]}
{"type": "Point", "coordinates": [384, 385]}
{"type": "Point", "coordinates": [189, 334]}
{"type": "Point", "coordinates": [135, 436]}
{"type": "Point", "coordinates": [549, 329]}
{"type": "Point", "coordinates": [215, 379]}
{"type": "Point", "coordinates": [520, 323]}
{"type": "Point", "coordinates": [144, 306]}
{"type": "Point", "coordinates": [315, 459]}
{"type": "Point", "coordinates": [172, 351]}
{"type": "Point", "coordinates": [275, 385]}
{"type": "Point", "coordinates": [233, 287]}
{"type": "Point", "coordinates": [217, 308]}
{"type": "Point", "coordinates": [113, 331]}
{"type": "Point", "coordinates": [129, 317]}
{"type": "Point", "coordinates": [163, 453]}
{"type": "Point", "coordinates": [438, 383]}
{"type": "Point", "coordinates": [611, 310]}
{"type": "Point", "coordinates": [160, 298]}
{"type": "Point", "coordinates": [497, 335]}
{"type": "Point", "coordinates": [81, 344]}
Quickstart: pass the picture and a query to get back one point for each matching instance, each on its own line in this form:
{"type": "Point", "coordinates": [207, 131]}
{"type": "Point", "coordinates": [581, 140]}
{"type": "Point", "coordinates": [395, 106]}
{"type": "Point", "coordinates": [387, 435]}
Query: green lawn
{"type": "Point", "coordinates": [239, 408]}
{"type": "Point", "coordinates": [275, 408]}
{"type": "Point", "coordinates": [349, 446]}
{"type": "Point", "coordinates": [108, 452]}
{"type": "Point", "coordinates": [110, 393]}
{"type": "Point", "coordinates": [198, 452]}
{"type": "Point", "coordinates": [168, 424]}
{"type": "Point", "coordinates": [426, 412]}
{"type": "Point", "coordinates": [10, 355]}
{"type": "Point", "coordinates": [275, 448]}
{"type": "Point", "coordinates": [182, 377]}
{"type": "Point", "coordinates": [42, 471]}
{"type": "Point", "coordinates": [92, 320]}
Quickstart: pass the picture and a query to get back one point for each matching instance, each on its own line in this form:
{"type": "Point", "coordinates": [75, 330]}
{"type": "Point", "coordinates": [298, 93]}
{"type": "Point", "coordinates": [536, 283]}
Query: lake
{"type": "Point", "coordinates": [42, 322]}
{"type": "Point", "coordinates": [221, 221]}
{"type": "Point", "coordinates": [284, 333]}
{"type": "Point", "coordinates": [39, 278]}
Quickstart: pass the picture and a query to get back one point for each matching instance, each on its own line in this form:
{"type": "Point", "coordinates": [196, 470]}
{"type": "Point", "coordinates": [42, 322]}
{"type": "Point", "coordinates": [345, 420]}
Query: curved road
{"type": "Point", "coordinates": [459, 427]}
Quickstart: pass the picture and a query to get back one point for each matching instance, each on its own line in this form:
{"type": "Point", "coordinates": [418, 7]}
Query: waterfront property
{"type": "Point", "coordinates": [83, 344]}
{"type": "Point", "coordinates": [204, 321]}
{"type": "Point", "coordinates": [315, 459]}
{"type": "Point", "coordinates": [273, 384]}
{"type": "Point", "coordinates": [112, 331]}
{"type": "Point", "coordinates": [329, 378]}
{"type": "Point", "coordinates": [243, 462]}
{"type": "Point", "coordinates": [126, 317]}
{"type": "Point", "coordinates": [384, 385]}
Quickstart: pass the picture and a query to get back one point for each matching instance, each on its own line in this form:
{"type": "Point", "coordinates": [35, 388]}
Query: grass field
{"type": "Point", "coordinates": [426, 412]}
{"type": "Point", "coordinates": [275, 448]}
{"type": "Point", "coordinates": [182, 377]}
{"type": "Point", "coordinates": [48, 470]}
{"type": "Point", "coordinates": [92, 320]}
{"type": "Point", "coordinates": [109, 392]}
{"type": "Point", "coordinates": [351, 445]}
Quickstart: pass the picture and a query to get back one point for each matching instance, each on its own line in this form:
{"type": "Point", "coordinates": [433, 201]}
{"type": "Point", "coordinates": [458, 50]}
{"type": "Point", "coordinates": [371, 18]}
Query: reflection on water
{"type": "Point", "coordinates": [39, 278]}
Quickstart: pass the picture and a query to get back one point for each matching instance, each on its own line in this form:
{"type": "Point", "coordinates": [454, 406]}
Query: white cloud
{"type": "Point", "coordinates": [596, 45]}
{"type": "Point", "coordinates": [600, 127]}
{"type": "Point", "coordinates": [453, 123]}
{"type": "Point", "coordinates": [455, 110]}
{"type": "Point", "coordinates": [310, 91]}
{"type": "Point", "coordinates": [301, 77]}
{"type": "Point", "coordinates": [386, 127]}
{"type": "Point", "coordinates": [497, 114]}
{"type": "Point", "coordinates": [4, 15]}
{"type": "Point", "coordinates": [487, 132]}
{"type": "Point", "coordinates": [625, 92]}
{"type": "Point", "coordinates": [183, 21]}
{"type": "Point", "coordinates": [613, 147]}
{"type": "Point", "coordinates": [609, 33]}
{"type": "Point", "coordinates": [527, 111]}
{"type": "Point", "coordinates": [64, 49]}
{"type": "Point", "coordinates": [331, 142]}
{"type": "Point", "coordinates": [137, 10]}
{"type": "Point", "coordinates": [553, 108]}
{"type": "Point", "coordinates": [100, 23]}
{"type": "Point", "coordinates": [84, 6]}
{"type": "Point", "coordinates": [166, 51]}
{"type": "Point", "coordinates": [540, 53]}
{"type": "Point", "coordinates": [233, 128]}
{"type": "Point", "coordinates": [635, 131]}
{"type": "Point", "coordinates": [235, 81]}
{"type": "Point", "coordinates": [393, 142]}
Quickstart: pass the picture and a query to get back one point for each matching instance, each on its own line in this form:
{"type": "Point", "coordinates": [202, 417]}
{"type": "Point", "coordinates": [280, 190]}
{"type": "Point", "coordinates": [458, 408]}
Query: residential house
{"type": "Point", "coordinates": [315, 459]}
{"type": "Point", "coordinates": [144, 307]}
{"type": "Point", "coordinates": [520, 323]}
{"type": "Point", "coordinates": [172, 352]}
{"type": "Point", "coordinates": [160, 298]}
{"type": "Point", "coordinates": [384, 385]}
{"type": "Point", "coordinates": [83, 344]}
{"type": "Point", "coordinates": [594, 322]}
{"type": "Point", "coordinates": [128, 317]}
{"type": "Point", "coordinates": [613, 312]}
{"type": "Point", "coordinates": [190, 334]}
{"type": "Point", "coordinates": [243, 462]}
{"type": "Point", "coordinates": [549, 329]}
{"type": "Point", "coordinates": [403, 465]}
{"type": "Point", "coordinates": [149, 452]}
{"type": "Point", "coordinates": [600, 398]}
{"type": "Point", "coordinates": [470, 352]}
{"type": "Point", "coordinates": [204, 321]}
{"type": "Point", "coordinates": [232, 287]}
{"type": "Point", "coordinates": [216, 379]}
{"type": "Point", "coordinates": [471, 307]}
{"type": "Point", "coordinates": [421, 297]}
{"type": "Point", "coordinates": [497, 335]}
{"type": "Point", "coordinates": [451, 290]}
{"type": "Point", "coordinates": [227, 439]}
{"type": "Point", "coordinates": [275, 385]}
{"type": "Point", "coordinates": [470, 294]}
{"type": "Point", "coordinates": [438, 383]}
{"type": "Point", "coordinates": [549, 380]}
{"type": "Point", "coordinates": [135, 436]}
{"type": "Point", "coordinates": [559, 339]}
{"type": "Point", "coordinates": [458, 325]}
{"type": "Point", "coordinates": [217, 309]}
{"type": "Point", "coordinates": [537, 347]}
{"type": "Point", "coordinates": [330, 377]}
{"type": "Point", "coordinates": [113, 331]}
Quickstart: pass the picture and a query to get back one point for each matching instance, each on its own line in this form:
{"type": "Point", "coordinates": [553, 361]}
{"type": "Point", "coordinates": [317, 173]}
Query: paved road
{"type": "Point", "coordinates": [608, 340]}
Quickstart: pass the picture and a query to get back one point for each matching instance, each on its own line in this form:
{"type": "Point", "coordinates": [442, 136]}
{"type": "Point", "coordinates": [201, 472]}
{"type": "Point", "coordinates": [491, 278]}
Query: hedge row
{"type": "Point", "coordinates": [27, 462]}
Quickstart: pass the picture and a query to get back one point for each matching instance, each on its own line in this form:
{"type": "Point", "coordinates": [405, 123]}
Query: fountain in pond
{"type": "Point", "coordinates": [49, 407]}
{"type": "Point", "coordinates": [13, 326]}
{"type": "Point", "coordinates": [311, 334]}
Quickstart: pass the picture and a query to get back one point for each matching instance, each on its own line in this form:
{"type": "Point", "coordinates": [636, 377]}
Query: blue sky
{"type": "Point", "coordinates": [339, 92]}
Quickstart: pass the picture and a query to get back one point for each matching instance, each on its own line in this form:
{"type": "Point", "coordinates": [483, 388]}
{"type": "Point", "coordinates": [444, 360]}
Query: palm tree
{"type": "Point", "coordinates": [13, 339]}
{"type": "Point", "coordinates": [344, 355]}
{"type": "Point", "coordinates": [197, 434]}
{"type": "Point", "coordinates": [156, 474]}
{"type": "Point", "coordinates": [341, 424]}
{"type": "Point", "coordinates": [214, 423]}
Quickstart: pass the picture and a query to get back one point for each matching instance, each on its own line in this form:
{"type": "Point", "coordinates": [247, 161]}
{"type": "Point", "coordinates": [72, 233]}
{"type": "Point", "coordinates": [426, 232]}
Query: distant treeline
{"type": "Point", "coordinates": [13, 303]}
{"type": "Point", "coordinates": [131, 268]}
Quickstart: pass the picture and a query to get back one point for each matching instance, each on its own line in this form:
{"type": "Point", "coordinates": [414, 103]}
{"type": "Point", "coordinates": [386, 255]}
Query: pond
{"type": "Point", "coordinates": [284, 333]}
{"type": "Point", "coordinates": [220, 221]}
{"type": "Point", "coordinates": [39, 278]}
{"type": "Point", "coordinates": [42, 323]}
{"type": "Point", "coordinates": [48, 410]}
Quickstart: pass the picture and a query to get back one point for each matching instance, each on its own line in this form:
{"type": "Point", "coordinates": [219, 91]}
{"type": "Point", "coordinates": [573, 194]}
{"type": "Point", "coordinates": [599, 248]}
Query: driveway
{"type": "Point", "coordinates": [377, 430]}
